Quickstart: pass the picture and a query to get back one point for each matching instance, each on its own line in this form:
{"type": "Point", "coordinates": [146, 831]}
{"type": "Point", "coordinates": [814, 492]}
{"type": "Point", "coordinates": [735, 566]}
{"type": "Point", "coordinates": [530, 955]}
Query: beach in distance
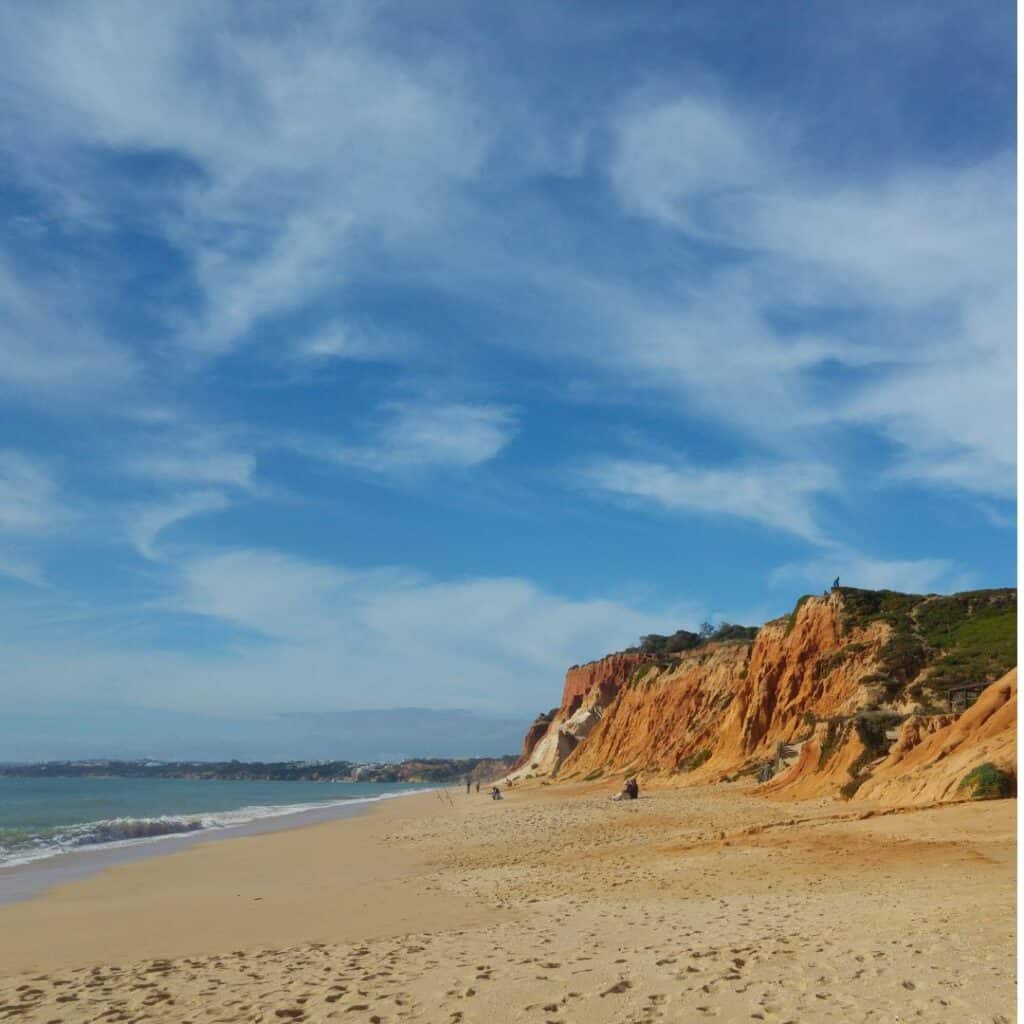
{"type": "Point", "coordinates": [552, 905]}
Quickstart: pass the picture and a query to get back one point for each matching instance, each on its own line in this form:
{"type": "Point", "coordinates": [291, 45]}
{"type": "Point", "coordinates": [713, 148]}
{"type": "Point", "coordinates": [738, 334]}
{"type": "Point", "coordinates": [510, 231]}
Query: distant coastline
{"type": "Point", "coordinates": [410, 770]}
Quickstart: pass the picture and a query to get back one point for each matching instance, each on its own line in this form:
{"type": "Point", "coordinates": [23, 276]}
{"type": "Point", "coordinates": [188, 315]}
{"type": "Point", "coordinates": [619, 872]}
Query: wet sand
{"type": "Point", "coordinates": [552, 905]}
{"type": "Point", "coordinates": [21, 881]}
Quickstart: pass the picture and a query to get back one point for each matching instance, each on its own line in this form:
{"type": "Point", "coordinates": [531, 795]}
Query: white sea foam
{"type": "Point", "coordinates": [123, 832]}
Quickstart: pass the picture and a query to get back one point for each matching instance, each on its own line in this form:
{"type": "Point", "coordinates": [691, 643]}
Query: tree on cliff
{"type": "Point", "coordinates": [681, 640]}
{"type": "Point", "coordinates": [684, 640]}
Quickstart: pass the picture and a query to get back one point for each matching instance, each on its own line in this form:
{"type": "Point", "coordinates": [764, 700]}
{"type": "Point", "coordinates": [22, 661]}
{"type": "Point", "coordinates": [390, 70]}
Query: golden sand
{"type": "Point", "coordinates": [553, 905]}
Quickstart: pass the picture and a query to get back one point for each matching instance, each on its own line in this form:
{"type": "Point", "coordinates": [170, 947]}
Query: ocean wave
{"type": "Point", "coordinates": [18, 846]}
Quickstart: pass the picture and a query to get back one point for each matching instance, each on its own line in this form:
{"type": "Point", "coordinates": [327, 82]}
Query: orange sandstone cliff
{"type": "Point", "coordinates": [588, 690]}
{"type": "Point", "coordinates": [925, 766]}
{"type": "Point", "coordinates": [850, 694]}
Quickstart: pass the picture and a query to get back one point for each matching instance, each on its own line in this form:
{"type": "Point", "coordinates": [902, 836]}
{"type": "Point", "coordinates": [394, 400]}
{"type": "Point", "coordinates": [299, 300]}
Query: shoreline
{"type": "Point", "coordinates": [23, 880]}
{"type": "Point", "coordinates": [554, 904]}
{"type": "Point", "coordinates": [308, 880]}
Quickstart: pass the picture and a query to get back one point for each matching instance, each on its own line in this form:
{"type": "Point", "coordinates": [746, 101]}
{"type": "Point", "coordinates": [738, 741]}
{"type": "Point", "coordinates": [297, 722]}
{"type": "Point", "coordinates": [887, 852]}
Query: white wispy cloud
{"type": "Point", "coordinates": [184, 468]}
{"type": "Point", "coordinates": [313, 635]}
{"type": "Point", "coordinates": [298, 149]}
{"type": "Point", "coordinates": [737, 177]}
{"type": "Point", "coordinates": [324, 159]}
{"type": "Point", "coordinates": [269, 592]}
{"type": "Point", "coordinates": [414, 435]}
{"type": "Point", "coordinates": [301, 164]}
{"type": "Point", "coordinates": [199, 465]}
{"type": "Point", "coordinates": [338, 340]}
{"type": "Point", "coordinates": [17, 566]}
{"type": "Point", "coordinates": [29, 500]}
{"type": "Point", "coordinates": [779, 496]}
{"type": "Point", "coordinates": [915, 576]}
{"type": "Point", "coordinates": [676, 157]}
{"type": "Point", "coordinates": [935, 243]}
{"type": "Point", "coordinates": [953, 413]}
{"type": "Point", "coordinates": [171, 446]}
{"type": "Point", "coordinates": [145, 522]}
{"type": "Point", "coordinates": [33, 508]}
{"type": "Point", "coordinates": [50, 353]}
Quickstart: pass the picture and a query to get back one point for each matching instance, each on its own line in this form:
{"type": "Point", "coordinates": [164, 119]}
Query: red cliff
{"type": "Point", "coordinates": [588, 689]}
{"type": "Point", "coordinates": [824, 692]}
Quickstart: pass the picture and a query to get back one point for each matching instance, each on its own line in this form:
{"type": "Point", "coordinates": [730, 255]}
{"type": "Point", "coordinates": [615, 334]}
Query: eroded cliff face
{"type": "Point", "coordinates": [808, 688]}
{"type": "Point", "coordinates": [534, 735]}
{"type": "Point", "coordinates": [825, 762]}
{"type": "Point", "coordinates": [801, 670]}
{"type": "Point", "coordinates": [596, 683]}
{"type": "Point", "coordinates": [927, 766]}
{"type": "Point", "coordinates": [587, 691]}
{"type": "Point", "coordinates": [719, 708]}
{"type": "Point", "coordinates": [663, 718]}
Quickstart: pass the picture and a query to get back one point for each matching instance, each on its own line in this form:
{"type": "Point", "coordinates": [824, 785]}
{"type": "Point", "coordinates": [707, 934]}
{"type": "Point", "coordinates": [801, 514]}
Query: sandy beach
{"type": "Point", "coordinates": [554, 905]}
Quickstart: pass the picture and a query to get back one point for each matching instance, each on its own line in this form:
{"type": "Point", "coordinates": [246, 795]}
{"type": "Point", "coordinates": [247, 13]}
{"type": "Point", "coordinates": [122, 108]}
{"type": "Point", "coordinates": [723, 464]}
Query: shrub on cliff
{"type": "Point", "coordinates": [693, 762]}
{"type": "Point", "coordinates": [861, 607]}
{"type": "Point", "coordinates": [681, 640]}
{"type": "Point", "coordinates": [939, 618]}
{"type": "Point", "coordinates": [730, 631]}
{"type": "Point", "coordinates": [830, 741]}
{"type": "Point", "coordinates": [849, 789]}
{"type": "Point", "coordinates": [970, 637]}
{"type": "Point", "coordinates": [978, 650]}
{"type": "Point", "coordinates": [873, 728]}
{"type": "Point", "coordinates": [902, 657]}
{"type": "Point", "coordinates": [987, 782]}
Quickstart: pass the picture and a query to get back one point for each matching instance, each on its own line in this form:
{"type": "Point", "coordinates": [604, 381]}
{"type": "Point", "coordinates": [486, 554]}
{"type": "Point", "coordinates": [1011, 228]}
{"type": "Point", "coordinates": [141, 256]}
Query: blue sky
{"type": "Point", "coordinates": [377, 355]}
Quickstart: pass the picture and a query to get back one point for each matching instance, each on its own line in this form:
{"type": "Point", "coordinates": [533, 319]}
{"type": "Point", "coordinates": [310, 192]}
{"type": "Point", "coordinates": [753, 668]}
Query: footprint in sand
{"type": "Point", "coordinates": [617, 989]}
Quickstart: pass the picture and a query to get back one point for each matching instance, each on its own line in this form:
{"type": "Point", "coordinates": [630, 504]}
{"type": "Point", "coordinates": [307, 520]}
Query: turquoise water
{"type": "Point", "coordinates": [41, 818]}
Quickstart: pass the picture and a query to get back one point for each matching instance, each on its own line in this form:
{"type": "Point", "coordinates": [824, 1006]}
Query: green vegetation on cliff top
{"type": "Point", "coordinates": [965, 638]}
{"type": "Point", "coordinates": [683, 640]}
{"type": "Point", "coordinates": [962, 639]}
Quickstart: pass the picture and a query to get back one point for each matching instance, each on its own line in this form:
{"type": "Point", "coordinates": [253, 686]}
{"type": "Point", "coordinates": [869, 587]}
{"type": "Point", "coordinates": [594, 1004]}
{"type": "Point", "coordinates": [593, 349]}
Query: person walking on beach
{"type": "Point", "coordinates": [478, 785]}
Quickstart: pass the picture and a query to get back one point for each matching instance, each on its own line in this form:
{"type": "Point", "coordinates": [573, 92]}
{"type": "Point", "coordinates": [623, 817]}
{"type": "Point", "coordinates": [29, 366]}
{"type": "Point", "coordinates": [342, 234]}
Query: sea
{"type": "Point", "coordinates": [42, 818]}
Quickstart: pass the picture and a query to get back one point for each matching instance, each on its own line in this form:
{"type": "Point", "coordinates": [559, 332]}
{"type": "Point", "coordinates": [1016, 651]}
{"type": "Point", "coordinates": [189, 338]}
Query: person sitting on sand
{"type": "Point", "coordinates": [495, 793]}
{"type": "Point", "coordinates": [630, 791]}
